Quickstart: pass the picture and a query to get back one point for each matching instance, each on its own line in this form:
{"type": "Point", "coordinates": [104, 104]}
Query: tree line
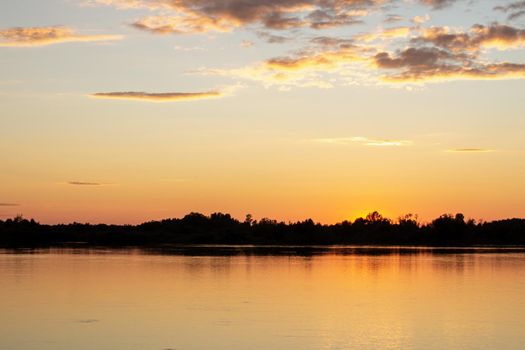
{"type": "Point", "coordinates": [219, 228]}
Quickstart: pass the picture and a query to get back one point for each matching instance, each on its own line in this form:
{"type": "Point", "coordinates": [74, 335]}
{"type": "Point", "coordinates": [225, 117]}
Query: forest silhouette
{"type": "Point", "coordinates": [219, 228]}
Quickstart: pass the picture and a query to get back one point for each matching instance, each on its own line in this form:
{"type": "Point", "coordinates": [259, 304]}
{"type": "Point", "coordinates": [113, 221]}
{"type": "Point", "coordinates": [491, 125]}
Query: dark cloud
{"type": "Point", "coordinates": [419, 64]}
{"type": "Point", "coordinates": [414, 58]}
{"type": "Point", "coordinates": [322, 19]}
{"type": "Point", "coordinates": [280, 21]}
{"type": "Point", "coordinates": [514, 10]}
{"type": "Point", "coordinates": [9, 204]}
{"type": "Point", "coordinates": [493, 35]}
{"type": "Point", "coordinates": [438, 54]}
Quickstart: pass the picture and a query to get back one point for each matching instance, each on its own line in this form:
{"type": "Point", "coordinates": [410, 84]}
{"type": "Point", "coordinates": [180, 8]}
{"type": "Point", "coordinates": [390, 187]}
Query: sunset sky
{"type": "Point", "coordinates": [122, 111]}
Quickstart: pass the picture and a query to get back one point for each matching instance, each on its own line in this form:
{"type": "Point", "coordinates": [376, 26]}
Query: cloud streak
{"type": "Point", "coordinates": [9, 205]}
{"type": "Point", "coordinates": [158, 97]}
{"type": "Point", "coordinates": [42, 36]}
{"type": "Point", "coordinates": [84, 183]}
{"type": "Point", "coordinates": [364, 141]}
{"type": "Point", "coordinates": [470, 150]}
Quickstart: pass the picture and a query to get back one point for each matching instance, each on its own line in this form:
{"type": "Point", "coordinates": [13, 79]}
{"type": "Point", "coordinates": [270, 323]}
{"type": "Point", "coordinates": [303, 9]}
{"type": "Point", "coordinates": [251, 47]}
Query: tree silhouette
{"type": "Point", "coordinates": [220, 228]}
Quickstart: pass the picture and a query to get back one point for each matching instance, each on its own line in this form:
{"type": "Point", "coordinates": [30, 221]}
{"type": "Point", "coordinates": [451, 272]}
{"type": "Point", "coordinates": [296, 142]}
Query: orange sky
{"type": "Point", "coordinates": [122, 112]}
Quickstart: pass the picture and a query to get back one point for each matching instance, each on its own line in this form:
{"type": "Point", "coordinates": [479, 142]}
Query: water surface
{"type": "Point", "coordinates": [249, 298]}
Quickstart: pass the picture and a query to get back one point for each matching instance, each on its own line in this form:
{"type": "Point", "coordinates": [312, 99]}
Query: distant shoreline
{"type": "Point", "coordinates": [220, 229]}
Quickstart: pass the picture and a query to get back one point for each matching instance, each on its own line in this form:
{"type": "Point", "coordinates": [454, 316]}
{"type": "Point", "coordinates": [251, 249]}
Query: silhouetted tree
{"type": "Point", "coordinates": [220, 228]}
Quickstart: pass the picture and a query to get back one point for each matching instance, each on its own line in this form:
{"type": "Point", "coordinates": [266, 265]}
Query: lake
{"type": "Point", "coordinates": [262, 299]}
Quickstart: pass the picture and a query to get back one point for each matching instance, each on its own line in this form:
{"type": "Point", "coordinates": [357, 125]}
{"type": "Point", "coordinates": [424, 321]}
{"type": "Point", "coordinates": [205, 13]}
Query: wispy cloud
{"type": "Point", "coordinates": [182, 24]}
{"type": "Point", "coordinates": [9, 204]}
{"type": "Point", "coordinates": [247, 44]}
{"type": "Point", "coordinates": [273, 38]}
{"type": "Point", "coordinates": [365, 141]}
{"type": "Point", "coordinates": [438, 4]}
{"type": "Point", "coordinates": [84, 183]}
{"type": "Point", "coordinates": [304, 68]}
{"type": "Point", "coordinates": [385, 34]}
{"type": "Point", "coordinates": [188, 48]}
{"type": "Point", "coordinates": [41, 36]}
{"type": "Point", "coordinates": [159, 97]}
{"type": "Point", "coordinates": [515, 9]}
{"type": "Point", "coordinates": [392, 18]}
{"type": "Point", "coordinates": [470, 150]}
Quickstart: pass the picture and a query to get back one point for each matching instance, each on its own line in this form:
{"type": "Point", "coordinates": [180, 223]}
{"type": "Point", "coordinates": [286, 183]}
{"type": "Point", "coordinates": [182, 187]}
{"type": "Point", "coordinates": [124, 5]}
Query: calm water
{"type": "Point", "coordinates": [335, 299]}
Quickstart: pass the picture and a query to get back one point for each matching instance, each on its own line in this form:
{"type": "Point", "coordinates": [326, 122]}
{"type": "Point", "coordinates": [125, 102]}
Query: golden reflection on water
{"type": "Point", "coordinates": [130, 300]}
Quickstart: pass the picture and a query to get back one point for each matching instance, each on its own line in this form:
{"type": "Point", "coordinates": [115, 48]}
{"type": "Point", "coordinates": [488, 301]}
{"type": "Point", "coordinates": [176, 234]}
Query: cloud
{"type": "Point", "coordinates": [434, 55]}
{"type": "Point", "coordinates": [323, 18]}
{"type": "Point", "coordinates": [201, 16]}
{"type": "Point", "coordinates": [41, 36]}
{"type": "Point", "coordinates": [9, 204]}
{"type": "Point", "coordinates": [438, 4]}
{"type": "Point", "coordinates": [304, 68]}
{"type": "Point", "coordinates": [189, 16]}
{"type": "Point", "coordinates": [327, 53]}
{"type": "Point", "coordinates": [441, 54]}
{"type": "Point", "coordinates": [402, 54]}
{"type": "Point", "coordinates": [83, 183]}
{"type": "Point", "coordinates": [189, 48]}
{"type": "Point", "coordinates": [268, 76]}
{"type": "Point", "coordinates": [365, 141]}
{"type": "Point", "coordinates": [322, 60]}
{"type": "Point", "coordinates": [495, 35]}
{"type": "Point", "coordinates": [126, 4]}
{"type": "Point", "coordinates": [247, 44]}
{"type": "Point", "coordinates": [515, 9]}
{"type": "Point", "coordinates": [392, 18]}
{"type": "Point", "coordinates": [385, 34]}
{"type": "Point", "coordinates": [183, 24]}
{"type": "Point", "coordinates": [159, 97]}
{"type": "Point", "coordinates": [273, 38]}
{"type": "Point", "coordinates": [426, 64]}
{"type": "Point", "coordinates": [470, 150]}
{"type": "Point", "coordinates": [419, 20]}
